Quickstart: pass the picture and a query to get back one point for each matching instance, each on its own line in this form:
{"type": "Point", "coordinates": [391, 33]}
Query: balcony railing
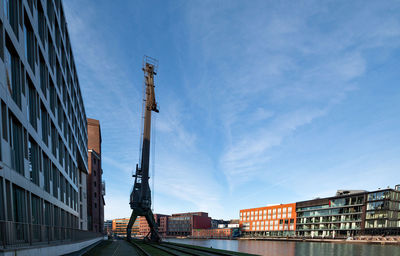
{"type": "Point", "coordinates": [16, 234]}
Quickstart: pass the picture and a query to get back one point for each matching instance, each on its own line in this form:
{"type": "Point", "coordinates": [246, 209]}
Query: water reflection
{"type": "Point", "coordinates": [287, 248]}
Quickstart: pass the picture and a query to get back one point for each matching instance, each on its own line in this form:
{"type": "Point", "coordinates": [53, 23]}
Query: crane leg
{"type": "Point", "coordinates": [154, 236]}
{"type": "Point", "coordinates": [130, 224]}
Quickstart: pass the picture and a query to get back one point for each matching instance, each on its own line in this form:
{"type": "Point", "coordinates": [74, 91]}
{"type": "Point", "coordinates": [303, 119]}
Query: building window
{"type": "Point", "coordinates": [43, 77]}
{"type": "Point", "coordinates": [33, 161]}
{"type": "Point", "coordinates": [19, 204]}
{"type": "Point", "coordinates": [45, 126]}
{"type": "Point", "coordinates": [55, 181]}
{"type": "Point", "coordinates": [4, 120]}
{"type": "Point", "coordinates": [29, 45]}
{"type": "Point", "coordinates": [17, 145]}
{"type": "Point", "coordinates": [1, 41]}
{"type": "Point", "coordinates": [53, 95]}
{"type": "Point", "coordinates": [11, 13]}
{"type": "Point", "coordinates": [36, 211]}
{"type": "Point", "coordinates": [32, 106]}
{"type": "Point", "coordinates": [42, 24]}
{"type": "Point", "coordinates": [46, 173]}
{"type": "Point", "coordinates": [13, 76]}
{"type": "Point", "coordinates": [2, 213]}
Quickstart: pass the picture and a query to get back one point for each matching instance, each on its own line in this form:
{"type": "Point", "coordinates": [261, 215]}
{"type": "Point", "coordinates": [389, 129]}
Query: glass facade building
{"type": "Point", "coordinates": [383, 212]}
{"type": "Point", "coordinates": [331, 217]}
{"type": "Point", "coordinates": [43, 131]}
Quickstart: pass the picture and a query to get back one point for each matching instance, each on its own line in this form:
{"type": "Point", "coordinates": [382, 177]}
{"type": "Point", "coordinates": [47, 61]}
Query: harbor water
{"type": "Point", "coordinates": [292, 248]}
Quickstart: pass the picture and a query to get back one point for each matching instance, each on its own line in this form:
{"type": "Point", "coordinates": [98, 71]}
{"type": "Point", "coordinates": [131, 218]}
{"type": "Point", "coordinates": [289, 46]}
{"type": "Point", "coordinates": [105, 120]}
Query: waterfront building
{"type": "Point", "coordinates": [383, 212]}
{"type": "Point", "coordinates": [276, 220]}
{"type": "Point", "coordinates": [216, 233]}
{"type": "Point", "coordinates": [161, 220]}
{"type": "Point", "coordinates": [348, 213]}
{"type": "Point", "coordinates": [338, 216]}
{"type": "Point", "coordinates": [182, 224]}
{"type": "Point", "coordinates": [108, 227]}
{"type": "Point", "coordinates": [43, 133]}
{"type": "Point", "coordinates": [119, 227]}
{"type": "Point", "coordinates": [95, 184]}
{"type": "Point", "coordinates": [217, 223]}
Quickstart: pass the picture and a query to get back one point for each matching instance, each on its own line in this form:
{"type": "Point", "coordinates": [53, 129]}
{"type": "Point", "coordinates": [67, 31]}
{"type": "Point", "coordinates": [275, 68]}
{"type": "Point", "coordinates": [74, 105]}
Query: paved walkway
{"type": "Point", "coordinates": [115, 248]}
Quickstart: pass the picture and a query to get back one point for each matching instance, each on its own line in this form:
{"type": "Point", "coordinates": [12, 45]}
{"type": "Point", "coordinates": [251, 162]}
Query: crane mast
{"type": "Point", "coordinates": [140, 198]}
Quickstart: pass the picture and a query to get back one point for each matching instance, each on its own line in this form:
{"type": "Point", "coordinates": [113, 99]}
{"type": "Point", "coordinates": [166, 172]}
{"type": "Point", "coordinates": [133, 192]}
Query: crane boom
{"type": "Point", "coordinates": [140, 198]}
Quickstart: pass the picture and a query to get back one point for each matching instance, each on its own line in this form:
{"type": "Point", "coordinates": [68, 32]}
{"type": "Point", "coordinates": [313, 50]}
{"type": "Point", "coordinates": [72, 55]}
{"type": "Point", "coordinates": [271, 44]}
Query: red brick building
{"type": "Point", "coordinates": [161, 220]}
{"type": "Point", "coordinates": [95, 185]}
{"type": "Point", "coordinates": [182, 224]}
{"type": "Point", "coordinates": [212, 233]}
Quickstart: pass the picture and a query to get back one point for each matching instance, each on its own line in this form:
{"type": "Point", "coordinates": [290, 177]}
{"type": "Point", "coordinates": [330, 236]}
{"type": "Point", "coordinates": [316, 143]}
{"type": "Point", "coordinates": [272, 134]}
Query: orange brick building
{"type": "Point", "coordinates": [119, 227]}
{"type": "Point", "coordinates": [276, 220]}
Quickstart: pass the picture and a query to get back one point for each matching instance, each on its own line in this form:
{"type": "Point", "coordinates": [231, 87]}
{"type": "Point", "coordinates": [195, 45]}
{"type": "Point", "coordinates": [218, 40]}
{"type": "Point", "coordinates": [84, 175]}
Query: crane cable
{"type": "Point", "coordinates": [142, 122]}
{"type": "Point", "coordinates": [153, 158]}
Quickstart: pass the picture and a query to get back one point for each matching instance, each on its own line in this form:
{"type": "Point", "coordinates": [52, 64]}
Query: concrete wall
{"type": "Point", "coordinates": [52, 250]}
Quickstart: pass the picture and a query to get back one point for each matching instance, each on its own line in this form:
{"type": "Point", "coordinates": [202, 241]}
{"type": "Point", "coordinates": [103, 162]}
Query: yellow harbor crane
{"type": "Point", "coordinates": [140, 199]}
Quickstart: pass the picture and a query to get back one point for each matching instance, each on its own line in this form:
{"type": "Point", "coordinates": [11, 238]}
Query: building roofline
{"type": "Point", "coordinates": [274, 205]}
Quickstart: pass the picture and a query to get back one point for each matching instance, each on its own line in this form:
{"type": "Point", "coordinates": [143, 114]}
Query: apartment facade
{"type": "Point", "coordinates": [95, 184]}
{"type": "Point", "coordinates": [119, 227]}
{"type": "Point", "coordinates": [182, 224]}
{"type": "Point", "coordinates": [383, 212]}
{"type": "Point", "coordinates": [339, 216]}
{"type": "Point", "coordinates": [275, 220]}
{"type": "Point", "coordinates": [43, 133]}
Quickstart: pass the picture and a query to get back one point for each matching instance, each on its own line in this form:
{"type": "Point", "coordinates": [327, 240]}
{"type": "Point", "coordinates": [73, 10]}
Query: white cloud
{"type": "Point", "coordinates": [248, 156]}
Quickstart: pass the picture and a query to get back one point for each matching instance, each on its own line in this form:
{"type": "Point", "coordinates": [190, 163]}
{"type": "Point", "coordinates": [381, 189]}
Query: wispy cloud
{"type": "Point", "coordinates": [284, 59]}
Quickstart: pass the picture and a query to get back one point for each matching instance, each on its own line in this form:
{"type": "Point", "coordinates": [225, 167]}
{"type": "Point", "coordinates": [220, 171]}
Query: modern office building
{"type": "Point", "coordinates": [276, 220]}
{"type": "Point", "coordinates": [339, 216]}
{"type": "Point", "coordinates": [182, 224]}
{"type": "Point", "coordinates": [383, 212]}
{"type": "Point", "coordinates": [43, 133]}
{"type": "Point", "coordinates": [119, 227]}
{"type": "Point", "coordinates": [95, 184]}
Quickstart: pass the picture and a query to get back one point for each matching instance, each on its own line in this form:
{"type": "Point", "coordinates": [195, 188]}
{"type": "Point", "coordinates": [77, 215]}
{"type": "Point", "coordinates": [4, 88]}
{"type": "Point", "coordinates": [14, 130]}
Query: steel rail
{"type": "Point", "coordinates": [199, 249]}
{"type": "Point", "coordinates": [160, 247]}
{"type": "Point", "coordinates": [190, 251]}
{"type": "Point", "coordinates": [140, 248]}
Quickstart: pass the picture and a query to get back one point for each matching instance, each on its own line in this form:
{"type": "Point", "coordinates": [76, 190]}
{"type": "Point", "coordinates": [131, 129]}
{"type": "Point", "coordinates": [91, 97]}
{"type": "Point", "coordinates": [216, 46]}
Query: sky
{"type": "Point", "coordinates": [261, 102]}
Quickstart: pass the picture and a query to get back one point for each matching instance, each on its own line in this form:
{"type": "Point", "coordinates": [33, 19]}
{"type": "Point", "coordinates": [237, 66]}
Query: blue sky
{"type": "Point", "coordinates": [261, 102]}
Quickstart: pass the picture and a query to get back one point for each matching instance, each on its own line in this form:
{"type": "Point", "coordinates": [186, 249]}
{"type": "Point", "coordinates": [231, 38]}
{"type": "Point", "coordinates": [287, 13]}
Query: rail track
{"type": "Point", "coordinates": [175, 249]}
